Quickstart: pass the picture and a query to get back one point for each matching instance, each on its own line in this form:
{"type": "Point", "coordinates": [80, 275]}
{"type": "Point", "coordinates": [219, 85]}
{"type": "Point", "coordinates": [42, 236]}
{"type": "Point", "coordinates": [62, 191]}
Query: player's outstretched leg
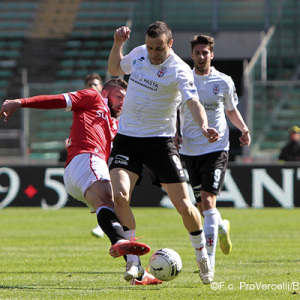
{"type": "Point", "coordinates": [124, 247]}
{"type": "Point", "coordinates": [110, 224]}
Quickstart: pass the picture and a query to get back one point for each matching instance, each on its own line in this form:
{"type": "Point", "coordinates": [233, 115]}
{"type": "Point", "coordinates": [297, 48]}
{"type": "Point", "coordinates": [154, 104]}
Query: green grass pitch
{"type": "Point", "coordinates": [52, 255]}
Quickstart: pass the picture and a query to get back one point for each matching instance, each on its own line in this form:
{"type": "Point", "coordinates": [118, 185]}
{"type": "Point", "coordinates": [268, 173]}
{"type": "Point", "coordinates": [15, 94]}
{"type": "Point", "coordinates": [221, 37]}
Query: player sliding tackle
{"type": "Point", "coordinates": [86, 174]}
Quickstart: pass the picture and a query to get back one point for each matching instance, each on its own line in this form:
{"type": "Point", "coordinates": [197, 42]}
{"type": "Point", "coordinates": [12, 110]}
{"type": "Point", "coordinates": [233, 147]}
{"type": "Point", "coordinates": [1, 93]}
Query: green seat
{"type": "Point", "coordinates": [84, 63]}
{"type": "Point", "coordinates": [71, 53]}
{"type": "Point", "coordinates": [64, 73]}
{"type": "Point", "coordinates": [6, 73]}
{"type": "Point", "coordinates": [92, 44]}
{"type": "Point", "coordinates": [9, 54]}
{"type": "Point", "coordinates": [73, 44]}
{"type": "Point", "coordinates": [4, 83]}
{"type": "Point", "coordinates": [100, 63]}
{"type": "Point", "coordinates": [80, 73]}
{"type": "Point", "coordinates": [2, 93]}
{"type": "Point", "coordinates": [14, 44]}
{"type": "Point", "coordinates": [88, 53]}
{"type": "Point", "coordinates": [68, 63]}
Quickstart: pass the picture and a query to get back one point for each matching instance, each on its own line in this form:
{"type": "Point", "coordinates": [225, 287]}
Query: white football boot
{"type": "Point", "coordinates": [133, 270]}
{"type": "Point", "coordinates": [98, 232]}
{"type": "Point", "coordinates": [206, 273]}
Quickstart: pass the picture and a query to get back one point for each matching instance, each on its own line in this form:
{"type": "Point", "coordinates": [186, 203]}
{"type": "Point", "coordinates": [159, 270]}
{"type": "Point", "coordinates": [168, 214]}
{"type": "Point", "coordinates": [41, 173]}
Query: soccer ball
{"type": "Point", "coordinates": [165, 264]}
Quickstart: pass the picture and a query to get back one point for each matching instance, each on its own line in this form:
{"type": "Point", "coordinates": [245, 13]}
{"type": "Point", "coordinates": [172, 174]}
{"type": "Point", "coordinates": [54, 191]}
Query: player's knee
{"type": "Point", "coordinates": [184, 209]}
{"type": "Point", "coordinates": [121, 198]}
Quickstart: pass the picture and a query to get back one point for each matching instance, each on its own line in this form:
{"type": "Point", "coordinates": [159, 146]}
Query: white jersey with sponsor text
{"type": "Point", "coordinates": [154, 94]}
{"type": "Point", "coordinates": [217, 93]}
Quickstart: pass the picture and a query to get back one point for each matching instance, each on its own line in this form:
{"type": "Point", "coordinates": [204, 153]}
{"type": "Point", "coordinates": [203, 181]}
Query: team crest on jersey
{"type": "Point", "coordinates": [216, 89]}
{"type": "Point", "coordinates": [162, 72]}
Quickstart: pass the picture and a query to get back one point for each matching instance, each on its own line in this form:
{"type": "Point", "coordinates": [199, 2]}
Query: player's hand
{"type": "Point", "coordinates": [211, 133]}
{"type": "Point", "coordinates": [122, 34]}
{"type": "Point", "coordinates": [245, 138]}
{"type": "Point", "coordinates": [8, 108]}
{"type": "Point", "coordinates": [178, 141]}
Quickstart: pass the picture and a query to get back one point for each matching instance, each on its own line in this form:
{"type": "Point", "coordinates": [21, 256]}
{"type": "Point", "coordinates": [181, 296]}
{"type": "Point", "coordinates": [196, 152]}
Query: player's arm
{"type": "Point", "coordinates": [43, 102]}
{"type": "Point", "coordinates": [200, 117]}
{"type": "Point", "coordinates": [116, 54]}
{"type": "Point", "coordinates": [237, 120]}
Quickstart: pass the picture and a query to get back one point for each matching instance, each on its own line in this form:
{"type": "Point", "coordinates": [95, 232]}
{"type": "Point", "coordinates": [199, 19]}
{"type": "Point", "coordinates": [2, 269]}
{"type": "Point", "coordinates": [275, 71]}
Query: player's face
{"type": "Point", "coordinates": [158, 49]}
{"type": "Point", "coordinates": [94, 84]}
{"type": "Point", "coordinates": [115, 100]}
{"type": "Point", "coordinates": [295, 136]}
{"type": "Point", "coordinates": [202, 57]}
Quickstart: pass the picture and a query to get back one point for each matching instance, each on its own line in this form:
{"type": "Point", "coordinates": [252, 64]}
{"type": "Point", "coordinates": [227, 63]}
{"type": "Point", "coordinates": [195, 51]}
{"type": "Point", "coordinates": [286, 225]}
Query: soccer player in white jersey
{"type": "Point", "coordinates": [159, 81]}
{"type": "Point", "coordinates": [206, 163]}
{"type": "Point", "coordinates": [86, 173]}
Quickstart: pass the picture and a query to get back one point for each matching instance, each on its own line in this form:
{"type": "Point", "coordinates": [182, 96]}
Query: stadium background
{"type": "Point", "coordinates": [48, 46]}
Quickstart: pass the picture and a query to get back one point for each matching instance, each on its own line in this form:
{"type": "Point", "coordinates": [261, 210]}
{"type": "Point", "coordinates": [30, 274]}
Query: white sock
{"type": "Point", "coordinates": [222, 229]}
{"type": "Point", "coordinates": [198, 242]}
{"type": "Point", "coordinates": [211, 225]}
{"type": "Point", "coordinates": [128, 235]}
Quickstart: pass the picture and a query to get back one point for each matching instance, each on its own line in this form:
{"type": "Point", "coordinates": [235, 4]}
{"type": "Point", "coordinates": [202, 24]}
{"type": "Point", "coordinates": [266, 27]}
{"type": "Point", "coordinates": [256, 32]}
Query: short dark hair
{"type": "Point", "coordinates": [203, 39]}
{"type": "Point", "coordinates": [158, 28]}
{"type": "Point", "coordinates": [113, 82]}
{"type": "Point", "coordinates": [92, 77]}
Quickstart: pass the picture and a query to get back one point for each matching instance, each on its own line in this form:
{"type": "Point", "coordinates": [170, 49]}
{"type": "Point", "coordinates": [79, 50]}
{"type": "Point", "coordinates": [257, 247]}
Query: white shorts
{"type": "Point", "coordinates": [83, 170]}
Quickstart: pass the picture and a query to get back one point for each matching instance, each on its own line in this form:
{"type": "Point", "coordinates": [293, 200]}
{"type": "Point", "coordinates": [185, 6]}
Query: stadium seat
{"type": "Point", "coordinates": [85, 63]}
{"type": "Point", "coordinates": [68, 63]}
{"type": "Point", "coordinates": [73, 44]}
{"type": "Point", "coordinates": [4, 83]}
{"type": "Point", "coordinates": [64, 73]}
{"type": "Point", "coordinates": [6, 73]}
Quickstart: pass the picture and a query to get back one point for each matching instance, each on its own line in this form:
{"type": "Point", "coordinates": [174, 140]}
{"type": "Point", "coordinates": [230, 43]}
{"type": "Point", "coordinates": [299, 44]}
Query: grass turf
{"type": "Point", "coordinates": [52, 255]}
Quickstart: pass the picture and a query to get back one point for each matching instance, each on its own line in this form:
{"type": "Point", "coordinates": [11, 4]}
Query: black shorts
{"type": "Point", "coordinates": [207, 172]}
{"type": "Point", "coordinates": [158, 154]}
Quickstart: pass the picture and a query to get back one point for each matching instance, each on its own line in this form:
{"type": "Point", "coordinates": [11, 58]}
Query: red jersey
{"type": "Point", "coordinates": [93, 128]}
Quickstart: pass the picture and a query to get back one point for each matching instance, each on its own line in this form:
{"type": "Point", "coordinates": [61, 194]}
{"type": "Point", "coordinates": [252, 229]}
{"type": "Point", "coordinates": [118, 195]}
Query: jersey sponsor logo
{"type": "Point", "coordinates": [211, 106]}
{"type": "Point", "coordinates": [121, 159]}
{"type": "Point", "coordinates": [140, 80]}
{"type": "Point", "coordinates": [102, 114]}
{"type": "Point", "coordinates": [162, 72]}
{"type": "Point", "coordinates": [138, 63]}
{"type": "Point", "coordinates": [216, 89]}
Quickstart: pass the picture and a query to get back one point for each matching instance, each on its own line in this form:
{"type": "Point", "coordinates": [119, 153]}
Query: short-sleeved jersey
{"type": "Point", "coordinates": [154, 94]}
{"type": "Point", "coordinates": [93, 128]}
{"type": "Point", "coordinates": [217, 93]}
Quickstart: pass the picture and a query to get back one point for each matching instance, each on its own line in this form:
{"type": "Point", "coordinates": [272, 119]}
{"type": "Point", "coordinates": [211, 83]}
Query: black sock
{"type": "Point", "coordinates": [110, 224]}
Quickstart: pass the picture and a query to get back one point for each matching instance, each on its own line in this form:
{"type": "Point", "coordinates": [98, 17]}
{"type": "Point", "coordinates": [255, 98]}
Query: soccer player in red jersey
{"type": "Point", "coordinates": [86, 174]}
